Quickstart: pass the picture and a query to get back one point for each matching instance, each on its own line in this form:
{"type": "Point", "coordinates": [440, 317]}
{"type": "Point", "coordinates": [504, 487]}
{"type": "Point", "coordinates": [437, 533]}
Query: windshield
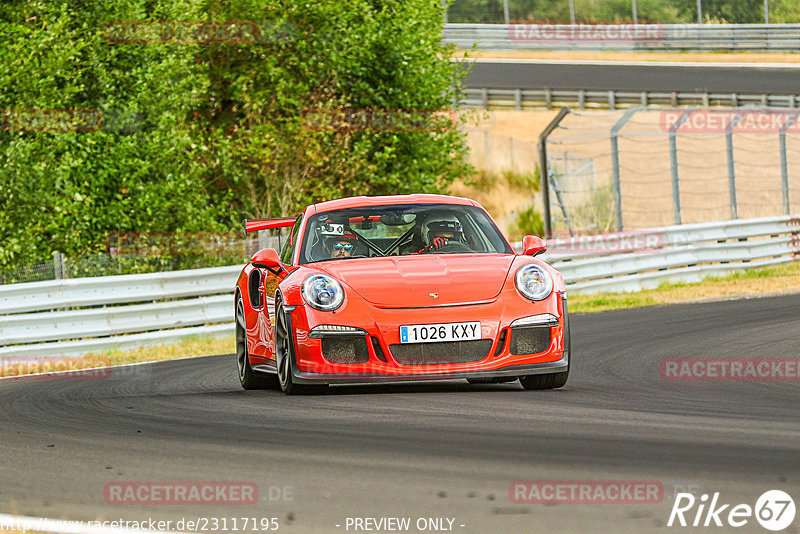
{"type": "Point", "coordinates": [399, 230]}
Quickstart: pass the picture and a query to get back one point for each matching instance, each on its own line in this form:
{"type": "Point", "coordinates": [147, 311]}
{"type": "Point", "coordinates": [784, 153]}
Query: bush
{"type": "Point", "coordinates": [197, 136]}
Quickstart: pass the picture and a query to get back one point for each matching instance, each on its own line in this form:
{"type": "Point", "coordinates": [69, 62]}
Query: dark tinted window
{"type": "Point", "coordinates": [398, 230]}
{"type": "Point", "coordinates": [291, 242]}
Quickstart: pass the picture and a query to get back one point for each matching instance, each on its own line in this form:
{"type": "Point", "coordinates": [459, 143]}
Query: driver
{"type": "Point", "coordinates": [443, 233]}
{"type": "Point", "coordinates": [341, 246]}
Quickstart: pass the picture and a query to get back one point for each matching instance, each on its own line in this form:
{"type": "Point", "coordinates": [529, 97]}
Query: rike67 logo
{"type": "Point", "coordinates": [774, 510]}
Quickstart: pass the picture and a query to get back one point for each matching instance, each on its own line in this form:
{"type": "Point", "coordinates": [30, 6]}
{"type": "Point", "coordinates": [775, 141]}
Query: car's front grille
{"type": "Point", "coordinates": [441, 353]}
{"type": "Point", "coordinates": [345, 349]}
{"type": "Point", "coordinates": [530, 339]}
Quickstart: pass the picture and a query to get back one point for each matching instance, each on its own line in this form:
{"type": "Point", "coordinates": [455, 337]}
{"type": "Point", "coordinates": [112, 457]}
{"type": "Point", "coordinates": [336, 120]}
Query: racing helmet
{"type": "Point", "coordinates": [449, 225]}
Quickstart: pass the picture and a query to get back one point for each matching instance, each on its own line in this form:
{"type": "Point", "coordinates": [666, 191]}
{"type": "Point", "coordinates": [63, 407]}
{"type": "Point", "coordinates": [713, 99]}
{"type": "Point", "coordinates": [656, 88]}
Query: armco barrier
{"type": "Point", "coordinates": [530, 99]}
{"type": "Point", "coordinates": [124, 312]}
{"type": "Point", "coordinates": [685, 253]}
{"type": "Point", "coordinates": [39, 319]}
{"type": "Point", "coordinates": [666, 37]}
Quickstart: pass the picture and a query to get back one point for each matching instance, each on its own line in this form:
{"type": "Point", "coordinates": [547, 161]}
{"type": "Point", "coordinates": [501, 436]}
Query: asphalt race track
{"type": "Point", "coordinates": [447, 450]}
{"type": "Point", "coordinates": [658, 78]}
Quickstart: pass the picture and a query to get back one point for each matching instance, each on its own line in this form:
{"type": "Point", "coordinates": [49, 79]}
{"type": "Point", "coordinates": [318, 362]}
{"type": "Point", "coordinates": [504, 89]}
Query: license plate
{"type": "Point", "coordinates": [432, 333]}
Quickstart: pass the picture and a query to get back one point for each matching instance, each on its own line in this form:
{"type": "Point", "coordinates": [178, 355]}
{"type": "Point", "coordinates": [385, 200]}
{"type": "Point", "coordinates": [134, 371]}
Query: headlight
{"type": "Point", "coordinates": [322, 292]}
{"type": "Point", "coordinates": [534, 282]}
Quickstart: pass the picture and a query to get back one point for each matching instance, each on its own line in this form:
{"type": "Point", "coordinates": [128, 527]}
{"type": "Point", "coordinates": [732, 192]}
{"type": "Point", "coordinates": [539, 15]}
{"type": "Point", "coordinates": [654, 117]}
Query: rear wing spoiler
{"type": "Point", "coordinates": [253, 225]}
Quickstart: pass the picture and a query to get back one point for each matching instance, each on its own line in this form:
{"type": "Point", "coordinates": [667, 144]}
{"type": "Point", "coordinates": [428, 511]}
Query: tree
{"type": "Point", "coordinates": [101, 135]}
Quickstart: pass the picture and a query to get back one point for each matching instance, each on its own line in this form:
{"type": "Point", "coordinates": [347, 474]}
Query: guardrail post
{"type": "Point", "coordinates": [582, 99]}
{"type": "Point", "coordinates": [518, 99]}
{"type": "Point", "coordinates": [58, 265]}
{"type": "Point", "coordinates": [731, 167]}
{"type": "Point", "coordinates": [612, 100]}
{"type": "Point", "coordinates": [444, 10]}
{"type": "Point", "coordinates": [673, 166]}
{"type": "Point", "coordinates": [785, 164]}
{"type": "Point", "coordinates": [544, 171]}
{"type": "Point", "coordinates": [676, 188]}
{"type": "Point", "coordinates": [616, 183]}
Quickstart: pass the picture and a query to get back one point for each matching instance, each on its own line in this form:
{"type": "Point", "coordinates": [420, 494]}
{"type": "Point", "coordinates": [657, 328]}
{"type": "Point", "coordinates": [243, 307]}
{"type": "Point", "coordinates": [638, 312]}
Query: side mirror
{"type": "Point", "coordinates": [533, 245]}
{"type": "Point", "coordinates": [267, 258]}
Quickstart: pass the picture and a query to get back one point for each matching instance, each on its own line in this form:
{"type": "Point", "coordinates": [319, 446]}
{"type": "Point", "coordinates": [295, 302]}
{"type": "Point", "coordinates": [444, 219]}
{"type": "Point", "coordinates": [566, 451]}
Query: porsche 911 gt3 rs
{"type": "Point", "coordinates": [398, 288]}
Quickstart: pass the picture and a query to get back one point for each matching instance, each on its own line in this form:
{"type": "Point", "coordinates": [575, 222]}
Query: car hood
{"type": "Point", "coordinates": [425, 280]}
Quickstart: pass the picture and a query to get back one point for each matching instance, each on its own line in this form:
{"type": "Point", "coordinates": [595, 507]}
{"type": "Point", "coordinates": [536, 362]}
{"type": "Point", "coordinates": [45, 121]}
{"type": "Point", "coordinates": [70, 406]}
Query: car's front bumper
{"type": "Point", "coordinates": [382, 326]}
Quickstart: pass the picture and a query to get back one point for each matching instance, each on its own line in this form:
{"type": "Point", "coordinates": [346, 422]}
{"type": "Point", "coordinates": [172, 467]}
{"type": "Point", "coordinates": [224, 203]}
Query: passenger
{"type": "Point", "coordinates": [341, 246]}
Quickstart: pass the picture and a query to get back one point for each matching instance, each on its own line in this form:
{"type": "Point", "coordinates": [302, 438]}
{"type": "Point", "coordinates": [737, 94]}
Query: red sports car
{"type": "Point", "coordinates": [397, 288]}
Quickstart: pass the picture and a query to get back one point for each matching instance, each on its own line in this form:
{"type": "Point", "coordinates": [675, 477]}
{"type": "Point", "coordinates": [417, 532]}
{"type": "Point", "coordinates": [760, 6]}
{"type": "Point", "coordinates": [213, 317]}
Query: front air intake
{"type": "Point", "coordinates": [529, 339]}
{"type": "Point", "coordinates": [441, 353]}
{"type": "Point", "coordinates": [345, 349]}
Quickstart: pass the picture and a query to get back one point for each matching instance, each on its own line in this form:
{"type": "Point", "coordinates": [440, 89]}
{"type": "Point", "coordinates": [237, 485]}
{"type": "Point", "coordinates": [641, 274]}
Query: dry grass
{"type": "Point", "coordinates": [748, 284]}
{"type": "Point", "coordinates": [688, 57]}
{"type": "Point", "coordinates": [194, 346]}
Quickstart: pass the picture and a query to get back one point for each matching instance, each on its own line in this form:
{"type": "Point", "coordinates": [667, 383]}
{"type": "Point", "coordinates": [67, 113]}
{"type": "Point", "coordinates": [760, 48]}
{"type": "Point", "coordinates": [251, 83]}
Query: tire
{"type": "Point", "coordinates": [284, 358]}
{"type": "Point", "coordinates": [248, 378]}
{"type": "Point", "coordinates": [551, 380]}
{"type": "Point", "coordinates": [546, 381]}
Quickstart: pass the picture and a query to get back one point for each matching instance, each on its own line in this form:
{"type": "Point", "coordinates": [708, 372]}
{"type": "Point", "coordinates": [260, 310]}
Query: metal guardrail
{"type": "Point", "coordinates": [623, 37]}
{"type": "Point", "coordinates": [38, 319]}
{"type": "Point", "coordinates": [198, 302]}
{"type": "Point", "coordinates": [683, 253]}
{"type": "Point", "coordinates": [529, 99]}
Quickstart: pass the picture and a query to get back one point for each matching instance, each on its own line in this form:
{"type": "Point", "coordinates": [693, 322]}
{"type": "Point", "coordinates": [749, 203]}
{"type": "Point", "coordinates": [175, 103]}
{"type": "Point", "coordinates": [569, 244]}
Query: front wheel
{"type": "Point", "coordinates": [284, 350]}
{"type": "Point", "coordinates": [546, 381]}
{"type": "Point", "coordinates": [552, 380]}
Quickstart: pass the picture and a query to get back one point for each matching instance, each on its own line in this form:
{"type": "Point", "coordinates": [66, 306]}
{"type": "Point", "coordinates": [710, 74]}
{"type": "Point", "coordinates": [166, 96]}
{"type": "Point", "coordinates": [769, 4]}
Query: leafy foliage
{"type": "Point", "coordinates": [196, 136]}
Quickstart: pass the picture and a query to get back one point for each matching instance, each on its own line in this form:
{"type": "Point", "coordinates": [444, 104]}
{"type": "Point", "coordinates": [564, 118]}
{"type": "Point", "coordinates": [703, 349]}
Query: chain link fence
{"type": "Point", "coordinates": [149, 253]}
{"type": "Point", "coordinates": [644, 168]}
